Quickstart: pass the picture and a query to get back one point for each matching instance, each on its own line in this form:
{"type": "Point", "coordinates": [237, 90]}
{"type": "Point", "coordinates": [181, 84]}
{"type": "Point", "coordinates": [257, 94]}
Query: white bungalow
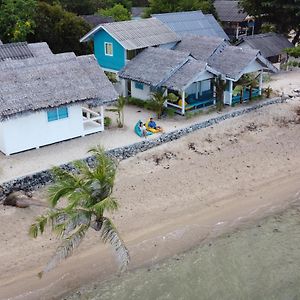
{"type": "Point", "coordinates": [52, 98]}
{"type": "Point", "coordinates": [232, 63]}
{"type": "Point", "coordinates": [171, 72]}
{"type": "Point", "coordinates": [190, 71]}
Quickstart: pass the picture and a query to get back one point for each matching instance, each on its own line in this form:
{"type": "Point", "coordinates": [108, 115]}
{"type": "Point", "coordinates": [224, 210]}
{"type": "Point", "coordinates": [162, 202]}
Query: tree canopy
{"type": "Point", "coordinates": [164, 6]}
{"type": "Point", "coordinates": [118, 12]}
{"type": "Point", "coordinates": [60, 29]}
{"type": "Point", "coordinates": [284, 14]}
{"type": "Point", "coordinates": [16, 19]}
{"type": "Point", "coordinates": [88, 197]}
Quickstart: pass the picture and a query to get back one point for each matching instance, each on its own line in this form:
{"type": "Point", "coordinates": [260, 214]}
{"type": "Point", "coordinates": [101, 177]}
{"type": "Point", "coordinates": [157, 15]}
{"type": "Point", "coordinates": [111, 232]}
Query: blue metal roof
{"type": "Point", "coordinates": [192, 22]}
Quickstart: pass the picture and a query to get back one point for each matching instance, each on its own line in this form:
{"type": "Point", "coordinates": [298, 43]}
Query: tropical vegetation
{"type": "Point", "coordinates": [79, 202]}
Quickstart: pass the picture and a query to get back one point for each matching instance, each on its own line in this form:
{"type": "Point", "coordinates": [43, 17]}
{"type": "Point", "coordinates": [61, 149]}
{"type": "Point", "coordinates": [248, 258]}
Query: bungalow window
{"type": "Point", "coordinates": [139, 85]}
{"type": "Point", "coordinates": [108, 49]}
{"type": "Point", "coordinates": [57, 113]}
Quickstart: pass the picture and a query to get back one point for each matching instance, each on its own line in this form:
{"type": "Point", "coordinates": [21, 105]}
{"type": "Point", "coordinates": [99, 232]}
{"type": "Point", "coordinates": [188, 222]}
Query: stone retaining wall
{"type": "Point", "coordinates": [39, 179]}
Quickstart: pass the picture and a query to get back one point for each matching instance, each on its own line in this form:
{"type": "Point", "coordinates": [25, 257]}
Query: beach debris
{"type": "Point", "coordinates": [22, 199]}
{"type": "Point", "coordinates": [192, 146]}
{"type": "Point", "coordinates": [160, 158]}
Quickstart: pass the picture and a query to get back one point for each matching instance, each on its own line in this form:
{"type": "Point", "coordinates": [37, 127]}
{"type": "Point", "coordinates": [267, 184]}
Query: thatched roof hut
{"type": "Point", "coordinates": [50, 81]}
{"type": "Point", "coordinates": [232, 61]}
{"type": "Point", "coordinates": [154, 65]}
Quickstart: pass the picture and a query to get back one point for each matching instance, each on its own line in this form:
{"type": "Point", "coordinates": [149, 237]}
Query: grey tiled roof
{"type": "Point", "coordinates": [1, 42]}
{"type": "Point", "coordinates": [154, 65]}
{"type": "Point", "coordinates": [43, 82]}
{"type": "Point", "coordinates": [269, 44]}
{"type": "Point", "coordinates": [229, 11]}
{"type": "Point", "coordinates": [95, 20]}
{"type": "Point", "coordinates": [137, 34]}
{"type": "Point", "coordinates": [200, 47]}
{"type": "Point", "coordinates": [15, 51]}
{"type": "Point", "coordinates": [185, 75]}
{"type": "Point", "coordinates": [232, 61]}
{"type": "Point", "coordinates": [192, 22]}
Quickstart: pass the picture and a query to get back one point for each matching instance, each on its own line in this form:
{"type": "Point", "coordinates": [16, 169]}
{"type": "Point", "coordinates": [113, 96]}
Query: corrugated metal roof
{"type": "Point", "coordinates": [137, 34]}
{"type": "Point", "coordinates": [229, 11]}
{"type": "Point", "coordinates": [154, 65]}
{"type": "Point", "coordinates": [15, 51]}
{"type": "Point", "coordinates": [192, 22]}
{"type": "Point", "coordinates": [200, 47]}
{"type": "Point", "coordinates": [269, 44]}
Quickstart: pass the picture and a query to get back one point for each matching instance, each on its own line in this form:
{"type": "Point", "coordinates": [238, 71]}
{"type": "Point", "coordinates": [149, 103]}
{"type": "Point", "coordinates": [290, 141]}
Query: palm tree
{"type": "Point", "coordinates": [220, 85]}
{"type": "Point", "coordinates": [88, 194]}
{"type": "Point", "coordinates": [119, 109]}
{"type": "Point", "coordinates": [157, 102]}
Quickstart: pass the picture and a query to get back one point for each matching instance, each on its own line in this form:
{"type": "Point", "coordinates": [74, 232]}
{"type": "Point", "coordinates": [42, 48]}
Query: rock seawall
{"type": "Point", "coordinates": [42, 178]}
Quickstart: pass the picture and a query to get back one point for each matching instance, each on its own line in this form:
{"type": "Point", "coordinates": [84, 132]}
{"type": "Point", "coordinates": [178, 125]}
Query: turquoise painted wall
{"type": "Point", "coordinates": [115, 62]}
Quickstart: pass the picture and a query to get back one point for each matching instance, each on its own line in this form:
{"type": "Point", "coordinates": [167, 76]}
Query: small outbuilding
{"type": "Point", "coordinates": [235, 21]}
{"type": "Point", "coordinates": [46, 99]}
{"type": "Point", "coordinates": [271, 45]}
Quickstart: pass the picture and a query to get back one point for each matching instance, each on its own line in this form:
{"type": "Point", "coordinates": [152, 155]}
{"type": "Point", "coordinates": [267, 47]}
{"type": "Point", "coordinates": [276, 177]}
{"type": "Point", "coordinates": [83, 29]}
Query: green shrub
{"type": "Point", "coordinates": [107, 122]}
{"type": "Point", "coordinates": [170, 112]}
{"type": "Point", "coordinates": [135, 101]}
{"type": "Point", "coordinates": [111, 76]}
{"type": "Point", "coordinates": [191, 114]}
{"type": "Point", "coordinates": [268, 92]}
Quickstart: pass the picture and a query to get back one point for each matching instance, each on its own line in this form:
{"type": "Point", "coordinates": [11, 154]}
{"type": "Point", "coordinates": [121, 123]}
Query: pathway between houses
{"type": "Point", "coordinates": [46, 157]}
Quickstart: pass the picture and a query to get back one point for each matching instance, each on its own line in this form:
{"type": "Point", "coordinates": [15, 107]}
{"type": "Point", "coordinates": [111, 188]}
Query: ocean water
{"type": "Point", "coordinates": [260, 262]}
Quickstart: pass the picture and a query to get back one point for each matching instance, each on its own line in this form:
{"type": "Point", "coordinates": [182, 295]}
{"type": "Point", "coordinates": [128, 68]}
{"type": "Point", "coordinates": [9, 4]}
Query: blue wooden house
{"type": "Point", "coordinates": [118, 42]}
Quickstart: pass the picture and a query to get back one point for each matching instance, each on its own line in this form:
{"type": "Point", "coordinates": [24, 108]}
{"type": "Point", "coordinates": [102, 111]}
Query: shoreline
{"type": "Point", "coordinates": [169, 240]}
{"type": "Point", "coordinates": [173, 198]}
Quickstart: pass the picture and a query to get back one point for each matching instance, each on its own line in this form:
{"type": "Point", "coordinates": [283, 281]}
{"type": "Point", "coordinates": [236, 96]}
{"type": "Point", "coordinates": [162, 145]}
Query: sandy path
{"type": "Point", "coordinates": [172, 198]}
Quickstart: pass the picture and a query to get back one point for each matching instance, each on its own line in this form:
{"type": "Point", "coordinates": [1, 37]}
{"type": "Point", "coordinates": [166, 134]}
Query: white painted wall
{"type": "Point", "coordinates": [168, 45]}
{"type": "Point", "coordinates": [203, 86]}
{"type": "Point", "coordinates": [33, 130]}
{"type": "Point", "coordinates": [144, 94]}
{"type": "Point", "coordinates": [1, 136]}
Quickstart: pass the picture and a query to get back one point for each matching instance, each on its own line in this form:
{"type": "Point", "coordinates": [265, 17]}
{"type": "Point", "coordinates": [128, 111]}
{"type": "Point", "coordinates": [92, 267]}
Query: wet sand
{"type": "Point", "coordinates": [172, 198]}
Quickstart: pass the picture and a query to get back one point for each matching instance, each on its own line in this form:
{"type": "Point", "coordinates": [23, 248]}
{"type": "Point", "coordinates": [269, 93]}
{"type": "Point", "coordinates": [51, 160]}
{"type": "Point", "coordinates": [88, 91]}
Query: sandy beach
{"type": "Point", "coordinates": [172, 198]}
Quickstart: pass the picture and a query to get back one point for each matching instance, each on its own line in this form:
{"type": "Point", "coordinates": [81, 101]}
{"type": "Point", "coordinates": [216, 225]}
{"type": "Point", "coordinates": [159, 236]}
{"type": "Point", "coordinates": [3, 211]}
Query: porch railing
{"type": "Point", "coordinates": [245, 96]}
{"type": "Point", "coordinates": [92, 120]}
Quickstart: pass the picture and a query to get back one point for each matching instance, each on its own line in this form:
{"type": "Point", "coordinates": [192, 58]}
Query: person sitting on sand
{"type": "Point", "coordinates": [143, 129]}
{"type": "Point", "coordinates": [153, 125]}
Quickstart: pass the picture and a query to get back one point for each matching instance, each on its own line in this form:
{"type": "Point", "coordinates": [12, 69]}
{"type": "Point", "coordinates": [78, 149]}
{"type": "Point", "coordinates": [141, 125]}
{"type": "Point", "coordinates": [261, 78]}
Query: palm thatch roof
{"type": "Point", "coordinates": [230, 11]}
{"type": "Point", "coordinates": [185, 75]}
{"type": "Point", "coordinates": [192, 22]}
{"type": "Point", "coordinates": [38, 83]}
{"type": "Point", "coordinates": [269, 44]}
{"type": "Point", "coordinates": [200, 47]}
{"type": "Point", "coordinates": [137, 34]}
{"type": "Point", "coordinates": [154, 65]}
{"type": "Point", "coordinates": [232, 61]}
